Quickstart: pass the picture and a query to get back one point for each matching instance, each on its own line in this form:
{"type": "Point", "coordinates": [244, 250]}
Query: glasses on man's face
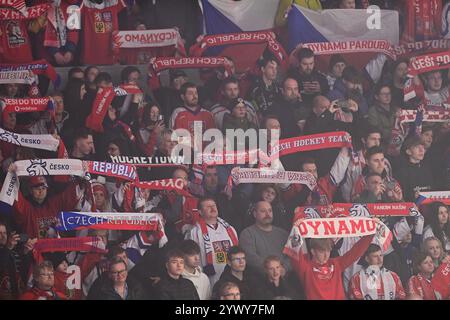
{"type": "Point", "coordinates": [48, 275]}
{"type": "Point", "coordinates": [118, 273]}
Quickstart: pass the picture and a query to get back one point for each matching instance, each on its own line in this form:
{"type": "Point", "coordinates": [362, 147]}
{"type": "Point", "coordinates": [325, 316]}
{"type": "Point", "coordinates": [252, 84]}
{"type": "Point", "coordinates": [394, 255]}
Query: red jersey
{"type": "Point", "coordinates": [38, 294]}
{"type": "Point", "coordinates": [14, 42]}
{"type": "Point", "coordinates": [99, 21]}
{"type": "Point", "coordinates": [324, 282]}
{"type": "Point", "coordinates": [421, 286]}
{"type": "Point", "coordinates": [183, 118]}
{"type": "Point", "coordinates": [36, 220]}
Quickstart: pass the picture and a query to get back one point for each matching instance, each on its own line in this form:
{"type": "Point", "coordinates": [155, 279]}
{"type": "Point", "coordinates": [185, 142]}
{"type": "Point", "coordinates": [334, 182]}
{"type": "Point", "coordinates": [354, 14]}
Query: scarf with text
{"type": "Point", "coordinates": [268, 37]}
{"type": "Point", "coordinates": [161, 161]}
{"type": "Point", "coordinates": [416, 117]}
{"type": "Point", "coordinates": [400, 209]}
{"type": "Point", "coordinates": [250, 175]}
{"type": "Point", "coordinates": [318, 141]}
{"type": "Point", "coordinates": [62, 167]}
{"type": "Point", "coordinates": [136, 39]}
{"type": "Point", "coordinates": [103, 100]}
{"type": "Point", "coordinates": [407, 50]}
{"type": "Point", "coordinates": [37, 141]}
{"type": "Point", "coordinates": [24, 13]}
{"type": "Point", "coordinates": [22, 105]}
{"type": "Point", "coordinates": [428, 62]}
{"type": "Point", "coordinates": [68, 221]}
{"type": "Point", "coordinates": [87, 244]}
{"type": "Point", "coordinates": [116, 170]}
{"type": "Point", "coordinates": [157, 65]}
{"type": "Point", "coordinates": [24, 73]}
{"type": "Point", "coordinates": [208, 247]}
{"type": "Point", "coordinates": [441, 280]}
{"type": "Point", "coordinates": [343, 47]}
{"type": "Point", "coordinates": [176, 185]}
{"type": "Point", "coordinates": [433, 196]}
{"type": "Point", "coordinates": [19, 5]}
{"type": "Point", "coordinates": [345, 227]}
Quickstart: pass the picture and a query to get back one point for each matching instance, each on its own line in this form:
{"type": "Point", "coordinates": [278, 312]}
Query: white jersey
{"type": "Point", "coordinates": [221, 243]}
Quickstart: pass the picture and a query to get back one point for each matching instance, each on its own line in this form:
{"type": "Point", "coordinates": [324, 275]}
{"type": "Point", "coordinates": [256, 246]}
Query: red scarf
{"type": "Point", "coordinates": [209, 268]}
{"type": "Point", "coordinates": [359, 210]}
{"type": "Point", "coordinates": [268, 37]}
{"type": "Point", "coordinates": [90, 244]}
{"type": "Point", "coordinates": [407, 50]}
{"type": "Point", "coordinates": [37, 67]}
{"type": "Point", "coordinates": [27, 105]}
{"type": "Point", "coordinates": [441, 280]}
{"type": "Point", "coordinates": [102, 102]}
{"type": "Point", "coordinates": [99, 109]}
{"type": "Point", "coordinates": [159, 64]}
{"type": "Point", "coordinates": [318, 141]}
{"type": "Point", "coordinates": [30, 13]}
{"type": "Point", "coordinates": [342, 47]}
{"type": "Point", "coordinates": [176, 185]}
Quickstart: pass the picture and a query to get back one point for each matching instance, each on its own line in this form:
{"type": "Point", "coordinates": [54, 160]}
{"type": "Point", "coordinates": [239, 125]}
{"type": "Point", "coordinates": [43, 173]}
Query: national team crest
{"type": "Point", "coordinates": [37, 168]}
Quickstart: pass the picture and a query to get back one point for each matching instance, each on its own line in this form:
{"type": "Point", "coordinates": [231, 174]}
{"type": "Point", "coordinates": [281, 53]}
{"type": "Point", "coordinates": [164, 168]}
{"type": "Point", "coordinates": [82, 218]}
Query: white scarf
{"type": "Point", "coordinates": [42, 141]}
{"type": "Point", "coordinates": [371, 279]}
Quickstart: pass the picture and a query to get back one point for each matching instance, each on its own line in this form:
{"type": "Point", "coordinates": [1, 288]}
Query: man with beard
{"type": "Point", "coordinates": [185, 116]}
{"type": "Point", "coordinates": [263, 239]}
{"type": "Point", "coordinates": [311, 82]}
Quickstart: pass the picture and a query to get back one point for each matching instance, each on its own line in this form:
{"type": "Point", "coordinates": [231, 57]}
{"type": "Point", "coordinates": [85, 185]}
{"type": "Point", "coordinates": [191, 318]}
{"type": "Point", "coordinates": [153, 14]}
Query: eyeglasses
{"type": "Point", "coordinates": [50, 274]}
{"type": "Point", "coordinates": [118, 273]}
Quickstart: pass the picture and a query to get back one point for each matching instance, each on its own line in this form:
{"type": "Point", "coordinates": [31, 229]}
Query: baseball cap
{"type": "Point", "coordinates": [38, 181]}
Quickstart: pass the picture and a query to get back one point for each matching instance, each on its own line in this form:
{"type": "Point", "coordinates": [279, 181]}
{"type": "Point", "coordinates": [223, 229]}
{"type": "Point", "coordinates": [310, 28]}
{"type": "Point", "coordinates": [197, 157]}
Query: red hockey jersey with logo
{"type": "Point", "coordinates": [98, 23]}
{"type": "Point", "coordinates": [14, 42]}
{"type": "Point", "coordinates": [183, 118]}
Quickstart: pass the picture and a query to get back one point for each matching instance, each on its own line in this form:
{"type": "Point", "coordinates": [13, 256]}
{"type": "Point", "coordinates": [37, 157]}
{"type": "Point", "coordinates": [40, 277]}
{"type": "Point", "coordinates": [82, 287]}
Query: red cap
{"type": "Point", "coordinates": [38, 181]}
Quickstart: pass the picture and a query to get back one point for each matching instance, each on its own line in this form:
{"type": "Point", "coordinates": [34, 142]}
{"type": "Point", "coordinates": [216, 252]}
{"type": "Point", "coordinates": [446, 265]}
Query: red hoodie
{"type": "Point", "coordinates": [324, 282]}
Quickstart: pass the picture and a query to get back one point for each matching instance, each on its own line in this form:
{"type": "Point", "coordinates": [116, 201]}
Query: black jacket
{"type": "Point", "coordinates": [102, 289]}
{"type": "Point", "coordinates": [414, 177]}
{"type": "Point", "coordinates": [171, 289]}
{"type": "Point", "coordinates": [248, 286]}
{"type": "Point", "coordinates": [268, 291]}
{"type": "Point", "coordinates": [314, 76]}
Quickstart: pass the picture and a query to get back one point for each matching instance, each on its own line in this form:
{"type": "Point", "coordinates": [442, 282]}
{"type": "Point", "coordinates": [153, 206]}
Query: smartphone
{"type": "Point", "coordinates": [23, 237]}
{"type": "Point", "coordinates": [344, 105]}
{"type": "Point", "coordinates": [390, 186]}
{"type": "Point", "coordinates": [160, 117]}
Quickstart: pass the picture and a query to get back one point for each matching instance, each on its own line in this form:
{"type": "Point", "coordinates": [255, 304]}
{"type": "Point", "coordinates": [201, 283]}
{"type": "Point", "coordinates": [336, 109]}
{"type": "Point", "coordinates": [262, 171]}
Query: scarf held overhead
{"type": "Point", "coordinates": [88, 244]}
{"type": "Point", "coordinates": [250, 175]}
{"type": "Point", "coordinates": [108, 221]}
{"type": "Point", "coordinates": [335, 228]}
{"type": "Point", "coordinates": [22, 105]}
{"type": "Point", "coordinates": [37, 141]}
{"type": "Point", "coordinates": [326, 140]}
{"type": "Point", "coordinates": [25, 13]}
{"type": "Point", "coordinates": [23, 73]}
{"type": "Point", "coordinates": [268, 37]}
{"type": "Point", "coordinates": [157, 65]}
